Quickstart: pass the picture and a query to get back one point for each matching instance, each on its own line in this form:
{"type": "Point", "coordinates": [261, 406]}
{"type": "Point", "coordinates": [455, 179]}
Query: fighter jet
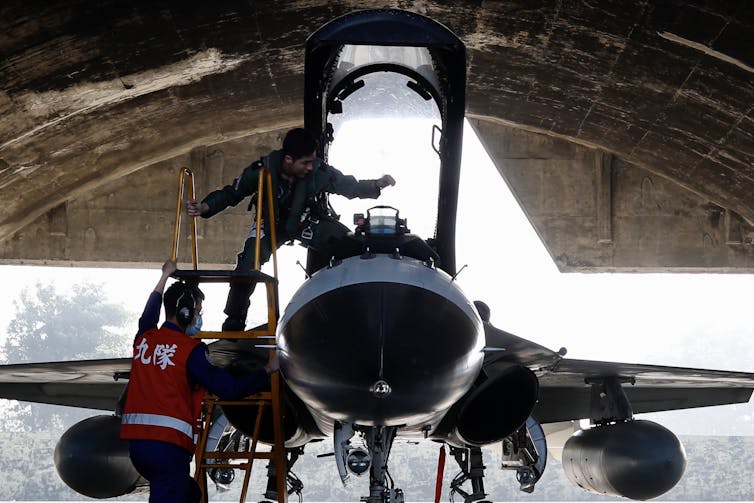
{"type": "Point", "coordinates": [380, 342]}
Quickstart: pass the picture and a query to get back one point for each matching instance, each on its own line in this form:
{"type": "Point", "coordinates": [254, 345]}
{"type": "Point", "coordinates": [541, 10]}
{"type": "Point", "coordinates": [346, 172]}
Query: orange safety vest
{"type": "Point", "coordinates": [160, 403]}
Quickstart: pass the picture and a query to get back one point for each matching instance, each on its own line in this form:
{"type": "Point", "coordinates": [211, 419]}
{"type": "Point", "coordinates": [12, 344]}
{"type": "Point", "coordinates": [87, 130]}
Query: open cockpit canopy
{"type": "Point", "coordinates": [380, 48]}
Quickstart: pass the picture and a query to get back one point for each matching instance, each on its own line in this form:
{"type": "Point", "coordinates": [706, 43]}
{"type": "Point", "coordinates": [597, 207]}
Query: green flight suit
{"type": "Point", "coordinates": [292, 202]}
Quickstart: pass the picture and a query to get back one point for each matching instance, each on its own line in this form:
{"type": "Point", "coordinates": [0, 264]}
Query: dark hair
{"type": "Point", "coordinates": [171, 296]}
{"type": "Point", "coordinates": [298, 143]}
{"type": "Point", "coordinates": [197, 293]}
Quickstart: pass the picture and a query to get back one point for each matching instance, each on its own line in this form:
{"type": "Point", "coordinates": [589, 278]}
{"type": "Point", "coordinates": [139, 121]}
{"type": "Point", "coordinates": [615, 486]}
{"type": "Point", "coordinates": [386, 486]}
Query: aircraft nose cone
{"type": "Point", "coordinates": [380, 389]}
{"type": "Point", "coordinates": [363, 321]}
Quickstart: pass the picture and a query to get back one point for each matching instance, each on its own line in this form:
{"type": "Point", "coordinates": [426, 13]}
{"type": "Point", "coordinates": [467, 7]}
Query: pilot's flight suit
{"type": "Point", "coordinates": [299, 214]}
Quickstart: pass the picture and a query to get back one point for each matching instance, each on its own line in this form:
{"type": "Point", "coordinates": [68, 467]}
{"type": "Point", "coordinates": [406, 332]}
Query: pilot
{"type": "Point", "coordinates": [299, 182]}
{"type": "Point", "coordinates": [170, 374]}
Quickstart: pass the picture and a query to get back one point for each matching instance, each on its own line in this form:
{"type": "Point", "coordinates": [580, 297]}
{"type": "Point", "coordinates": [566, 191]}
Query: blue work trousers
{"type": "Point", "coordinates": [166, 466]}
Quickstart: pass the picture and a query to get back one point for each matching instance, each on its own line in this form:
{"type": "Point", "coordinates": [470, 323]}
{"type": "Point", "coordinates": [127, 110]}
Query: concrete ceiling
{"type": "Point", "coordinates": [625, 129]}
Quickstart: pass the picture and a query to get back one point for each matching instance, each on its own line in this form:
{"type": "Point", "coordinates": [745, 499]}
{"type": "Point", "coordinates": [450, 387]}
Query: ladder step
{"type": "Point", "coordinates": [263, 396]}
{"type": "Point", "coordinates": [234, 466]}
{"type": "Point", "coordinates": [234, 455]}
{"type": "Point", "coordinates": [223, 276]}
{"type": "Point", "coordinates": [246, 334]}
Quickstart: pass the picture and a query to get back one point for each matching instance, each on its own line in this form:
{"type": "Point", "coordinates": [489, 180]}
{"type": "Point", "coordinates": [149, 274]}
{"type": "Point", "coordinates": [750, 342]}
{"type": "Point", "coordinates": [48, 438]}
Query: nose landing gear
{"type": "Point", "coordinates": [381, 487]}
{"type": "Point", "coordinates": [353, 459]}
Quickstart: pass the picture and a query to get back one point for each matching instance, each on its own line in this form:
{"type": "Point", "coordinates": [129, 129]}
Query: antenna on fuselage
{"type": "Point", "coordinates": [298, 262]}
{"type": "Point", "coordinates": [459, 272]}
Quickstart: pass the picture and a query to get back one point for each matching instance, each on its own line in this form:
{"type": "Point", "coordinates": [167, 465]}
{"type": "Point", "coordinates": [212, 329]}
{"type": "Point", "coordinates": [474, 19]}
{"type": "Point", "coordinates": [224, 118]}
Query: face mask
{"type": "Point", "coordinates": [196, 327]}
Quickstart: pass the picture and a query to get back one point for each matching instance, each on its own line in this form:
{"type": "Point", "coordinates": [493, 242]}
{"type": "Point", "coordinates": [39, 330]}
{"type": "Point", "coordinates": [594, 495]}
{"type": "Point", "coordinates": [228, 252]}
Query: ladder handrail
{"type": "Point", "coordinates": [266, 176]}
{"type": "Point", "coordinates": [178, 211]}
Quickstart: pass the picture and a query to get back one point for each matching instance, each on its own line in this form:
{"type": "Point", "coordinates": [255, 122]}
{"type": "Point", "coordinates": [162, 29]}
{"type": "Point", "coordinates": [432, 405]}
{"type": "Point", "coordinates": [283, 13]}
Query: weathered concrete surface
{"type": "Point", "coordinates": [129, 222]}
{"type": "Point", "coordinates": [596, 212]}
{"type": "Point", "coordinates": [97, 97]}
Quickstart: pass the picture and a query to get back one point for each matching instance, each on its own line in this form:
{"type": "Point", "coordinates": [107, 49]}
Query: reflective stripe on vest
{"type": "Point", "coordinates": [158, 420]}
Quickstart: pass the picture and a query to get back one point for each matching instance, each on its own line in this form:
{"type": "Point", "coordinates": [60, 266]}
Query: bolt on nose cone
{"type": "Point", "coordinates": [381, 389]}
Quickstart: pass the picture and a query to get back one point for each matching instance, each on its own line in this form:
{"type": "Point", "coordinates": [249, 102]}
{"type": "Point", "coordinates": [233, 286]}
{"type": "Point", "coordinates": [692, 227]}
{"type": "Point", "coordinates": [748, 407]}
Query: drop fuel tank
{"type": "Point", "coordinates": [633, 459]}
{"type": "Point", "coordinates": [92, 459]}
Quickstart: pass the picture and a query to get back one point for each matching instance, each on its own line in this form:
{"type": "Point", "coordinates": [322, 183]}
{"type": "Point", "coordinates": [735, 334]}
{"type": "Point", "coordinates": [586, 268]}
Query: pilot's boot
{"type": "Point", "coordinates": [237, 307]}
{"type": "Point", "coordinates": [238, 297]}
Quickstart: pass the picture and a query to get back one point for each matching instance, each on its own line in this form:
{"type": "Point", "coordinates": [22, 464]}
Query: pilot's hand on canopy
{"type": "Point", "coordinates": [385, 181]}
{"type": "Point", "coordinates": [195, 209]}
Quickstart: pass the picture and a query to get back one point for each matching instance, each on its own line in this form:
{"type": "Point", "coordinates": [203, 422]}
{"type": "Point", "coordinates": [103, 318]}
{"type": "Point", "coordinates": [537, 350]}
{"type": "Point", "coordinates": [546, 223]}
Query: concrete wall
{"type": "Point", "coordinates": [129, 222]}
{"type": "Point", "coordinates": [597, 213]}
{"type": "Point", "coordinates": [592, 210]}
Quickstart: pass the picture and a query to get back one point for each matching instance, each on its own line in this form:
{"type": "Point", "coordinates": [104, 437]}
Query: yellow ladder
{"type": "Point", "coordinates": [207, 460]}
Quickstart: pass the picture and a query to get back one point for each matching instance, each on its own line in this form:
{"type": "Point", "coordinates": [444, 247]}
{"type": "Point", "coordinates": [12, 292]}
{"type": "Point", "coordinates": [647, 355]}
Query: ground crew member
{"type": "Point", "coordinates": [170, 374]}
{"type": "Point", "coordinates": [299, 182]}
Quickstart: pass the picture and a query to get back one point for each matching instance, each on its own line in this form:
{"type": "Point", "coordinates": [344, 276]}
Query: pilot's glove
{"type": "Point", "coordinates": [385, 181]}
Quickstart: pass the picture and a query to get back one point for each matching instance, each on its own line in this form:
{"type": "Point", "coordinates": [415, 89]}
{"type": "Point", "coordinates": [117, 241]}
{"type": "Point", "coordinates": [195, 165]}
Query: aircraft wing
{"type": "Point", "coordinates": [566, 391]}
{"type": "Point", "coordinates": [90, 384]}
{"type": "Point", "coordinates": [98, 384]}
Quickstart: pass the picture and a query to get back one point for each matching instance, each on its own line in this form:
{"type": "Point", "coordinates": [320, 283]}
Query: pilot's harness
{"type": "Point", "coordinates": [310, 218]}
{"type": "Point", "coordinates": [317, 207]}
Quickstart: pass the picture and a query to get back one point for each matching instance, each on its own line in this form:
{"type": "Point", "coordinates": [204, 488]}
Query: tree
{"type": "Point", "coordinates": [50, 326]}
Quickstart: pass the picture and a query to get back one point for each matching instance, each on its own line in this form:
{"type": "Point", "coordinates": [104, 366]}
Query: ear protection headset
{"type": "Point", "coordinates": [185, 307]}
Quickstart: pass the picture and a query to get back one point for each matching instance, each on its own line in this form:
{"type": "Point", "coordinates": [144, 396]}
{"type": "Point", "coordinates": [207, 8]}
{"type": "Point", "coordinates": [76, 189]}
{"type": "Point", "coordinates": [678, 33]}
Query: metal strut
{"type": "Point", "coordinates": [381, 486]}
{"type": "Point", "coordinates": [525, 451]}
{"type": "Point", "coordinates": [472, 468]}
{"type": "Point", "coordinates": [240, 455]}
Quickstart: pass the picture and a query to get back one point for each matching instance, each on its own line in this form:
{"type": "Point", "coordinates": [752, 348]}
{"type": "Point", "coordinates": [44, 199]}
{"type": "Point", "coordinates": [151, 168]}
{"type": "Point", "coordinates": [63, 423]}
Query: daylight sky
{"type": "Point", "coordinates": [673, 319]}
